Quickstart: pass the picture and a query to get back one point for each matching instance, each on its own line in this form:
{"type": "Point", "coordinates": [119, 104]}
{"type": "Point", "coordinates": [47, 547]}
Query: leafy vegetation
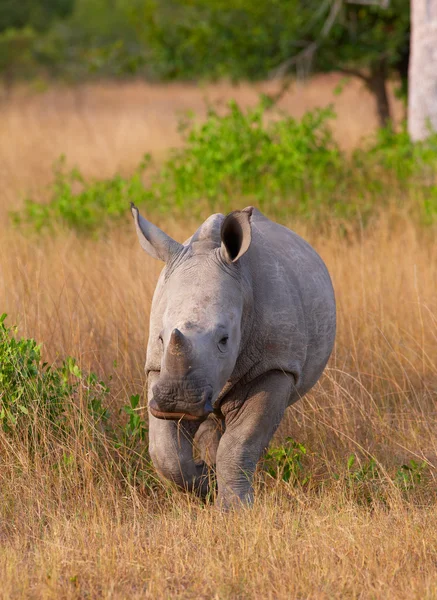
{"type": "Point", "coordinates": [135, 429]}
{"type": "Point", "coordinates": [30, 387]}
{"type": "Point", "coordinates": [38, 15]}
{"type": "Point", "coordinates": [287, 167]}
{"type": "Point", "coordinates": [86, 210]}
{"type": "Point", "coordinates": [22, 24]}
{"type": "Point", "coordinates": [369, 42]}
{"type": "Point", "coordinates": [285, 462]}
{"type": "Point", "coordinates": [367, 481]}
{"type": "Point", "coordinates": [247, 39]}
{"type": "Point", "coordinates": [32, 390]}
{"type": "Point", "coordinates": [253, 40]}
{"type": "Point", "coordinates": [411, 474]}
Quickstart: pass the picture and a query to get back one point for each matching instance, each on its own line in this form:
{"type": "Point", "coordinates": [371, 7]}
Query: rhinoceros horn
{"type": "Point", "coordinates": [179, 351]}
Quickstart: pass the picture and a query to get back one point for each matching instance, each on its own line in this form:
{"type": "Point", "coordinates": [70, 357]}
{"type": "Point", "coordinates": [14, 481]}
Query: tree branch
{"type": "Point", "coordinates": [306, 55]}
{"type": "Point", "coordinates": [304, 58]}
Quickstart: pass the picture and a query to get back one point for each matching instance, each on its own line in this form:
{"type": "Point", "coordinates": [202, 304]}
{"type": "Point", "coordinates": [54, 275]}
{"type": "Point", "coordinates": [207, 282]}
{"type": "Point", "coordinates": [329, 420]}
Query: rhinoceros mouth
{"type": "Point", "coordinates": [165, 404]}
{"type": "Point", "coordinates": [175, 416]}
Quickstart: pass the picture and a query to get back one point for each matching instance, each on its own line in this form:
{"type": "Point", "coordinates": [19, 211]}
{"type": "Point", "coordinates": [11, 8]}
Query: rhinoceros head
{"type": "Point", "coordinates": [197, 313]}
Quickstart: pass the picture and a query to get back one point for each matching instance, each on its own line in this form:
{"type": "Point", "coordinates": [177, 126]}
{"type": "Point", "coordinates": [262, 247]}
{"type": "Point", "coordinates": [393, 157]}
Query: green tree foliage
{"type": "Point", "coordinates": [99, 38]}
{"type": "Point", "coordinates": [250, 40]}
{"type": "Point", "coordinates": [20, 23]}
{"type": "Point", "coordinates": [365, 35]}
{"type": "Point", "coordinates": [215, 38]}
{"type": "Point", "coordinates": [208, 39]}
{"type": "Point", "coordinates": [370, 42]}
{"type": "Point", "coordinates": [177, 39]}
{"type": "Point", "coordinates": [37, 14]}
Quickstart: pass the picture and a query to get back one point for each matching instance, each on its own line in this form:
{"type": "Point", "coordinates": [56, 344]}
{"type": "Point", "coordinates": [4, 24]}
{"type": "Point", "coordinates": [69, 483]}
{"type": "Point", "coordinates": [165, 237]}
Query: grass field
{"type": "Point", "coordinates": [74, 525]}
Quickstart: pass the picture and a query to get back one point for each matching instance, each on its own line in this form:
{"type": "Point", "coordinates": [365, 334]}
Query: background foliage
{"type": "Point", "coordinates": [286, 167]}
{"type": "Point", "coordinates": [203, 39]}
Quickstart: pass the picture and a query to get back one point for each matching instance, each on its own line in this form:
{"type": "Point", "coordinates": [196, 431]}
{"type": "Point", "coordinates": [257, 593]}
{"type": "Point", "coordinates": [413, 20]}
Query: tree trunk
{"type": "Point", "coordinates": [422, 82]}
{"type": "Point", "coordinates": [377, 84]}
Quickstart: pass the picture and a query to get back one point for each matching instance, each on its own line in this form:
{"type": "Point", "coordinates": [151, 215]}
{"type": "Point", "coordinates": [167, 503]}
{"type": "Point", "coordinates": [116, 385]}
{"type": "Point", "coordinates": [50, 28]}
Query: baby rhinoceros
{"type": "Point", "coordinates": [242, 325]}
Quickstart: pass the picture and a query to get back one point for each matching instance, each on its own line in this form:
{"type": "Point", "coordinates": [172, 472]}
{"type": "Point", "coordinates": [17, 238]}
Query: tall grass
{"type": "Point", "coordinates": [80, 517]}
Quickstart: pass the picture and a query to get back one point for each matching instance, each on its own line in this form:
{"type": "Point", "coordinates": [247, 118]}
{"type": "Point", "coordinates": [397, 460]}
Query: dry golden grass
{"type": "Point", "coordinates": [81, 530]}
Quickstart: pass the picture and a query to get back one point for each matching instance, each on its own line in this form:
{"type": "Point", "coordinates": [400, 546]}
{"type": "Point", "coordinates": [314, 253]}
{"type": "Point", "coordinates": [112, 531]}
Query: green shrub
{"type": "Point", "coordinates": [135, 429]}
{"type": "Point", "coordinates": [61, 398]}
{"type": "Point", "coordinates": [286, 167]}
{"type": "Point", "coordinates": [244, 155]}
{"type": "Point", "coordinates": [85, 210]}
{"type": "Point", "coordinates": [369, 481]}
{"type": "Point", "coordinates": [394, 153]}
{"type": "Point", "coordinates": [31, 388]}
{"type": "Point", "coordinates": [284, 463]}
{"type": "Point", "coordinates": [410, 475]}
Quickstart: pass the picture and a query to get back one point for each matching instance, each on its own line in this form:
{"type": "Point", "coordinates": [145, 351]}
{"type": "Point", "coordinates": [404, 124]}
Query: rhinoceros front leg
{"type": "Point", "coordinates": [249, 430]}
{"type": "Point", "coordinates": [171, 451]}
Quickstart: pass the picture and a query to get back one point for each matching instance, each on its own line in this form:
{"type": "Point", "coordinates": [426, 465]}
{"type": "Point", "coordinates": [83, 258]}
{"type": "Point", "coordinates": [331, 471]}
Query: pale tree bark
{"type": "Point", "coordinates": [422, 77]}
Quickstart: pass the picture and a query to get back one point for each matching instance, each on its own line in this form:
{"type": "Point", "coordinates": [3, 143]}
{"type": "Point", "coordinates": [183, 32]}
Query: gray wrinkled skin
{"type": "Point", "coordinates": [242, 325]}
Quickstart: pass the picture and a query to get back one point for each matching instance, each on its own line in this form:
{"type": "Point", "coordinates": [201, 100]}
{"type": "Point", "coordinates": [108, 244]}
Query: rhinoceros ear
{"type": "Point", "coordinates": [236, 234]}
{"type": "Point", "coordinates": [154, 241]}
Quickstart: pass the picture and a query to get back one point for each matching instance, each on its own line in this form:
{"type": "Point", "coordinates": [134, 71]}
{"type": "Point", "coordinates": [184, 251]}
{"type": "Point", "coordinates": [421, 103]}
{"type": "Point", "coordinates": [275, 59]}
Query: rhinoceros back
{"type": "Point", "coordinates": [294, 305]}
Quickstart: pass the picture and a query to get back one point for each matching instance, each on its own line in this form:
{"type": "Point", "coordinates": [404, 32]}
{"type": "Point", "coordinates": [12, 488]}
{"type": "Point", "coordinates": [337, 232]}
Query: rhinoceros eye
{"type": "Point", "coordinates": [223, 343]}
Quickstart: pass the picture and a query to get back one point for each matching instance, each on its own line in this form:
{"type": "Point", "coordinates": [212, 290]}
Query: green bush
{"type": "Point", "coordinates": [284, 463]}
{"type": "Point", "coordinates": [60, 408]}
{"type": "Point", "coordinates": [286, 167]}
{"type": "Point", "coordinates": [32, 391]}
{"type": "Point", "coordinates": [22, 25]}
{"type": "Point", "coordinates": [30, 388]}
{"type": "Point", "coordinates": [395, 154]}
{"type": "Point", "coordinates": [282, 165]}
{"type": "Point", "coordinates": [86, 210]}
{"type": "Point", "coordinates": [244, 155]}
{"type": "Point", "coordinates": [391, 165]}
